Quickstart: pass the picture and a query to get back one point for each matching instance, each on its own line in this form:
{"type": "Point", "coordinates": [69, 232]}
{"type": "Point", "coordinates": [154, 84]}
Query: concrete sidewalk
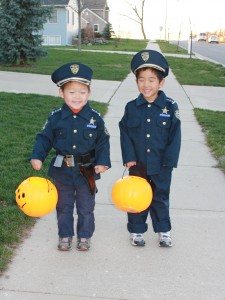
{"type": "Point", "coordinates": [13, 82]}
{"type": "Point", "coordinates": [193, 269]}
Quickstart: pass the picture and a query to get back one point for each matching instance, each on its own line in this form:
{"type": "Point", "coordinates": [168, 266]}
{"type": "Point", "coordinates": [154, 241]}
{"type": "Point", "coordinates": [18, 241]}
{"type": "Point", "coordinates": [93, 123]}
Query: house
{"type": "Point", "coordinates": [62, 27]}
{"type": "Point", "coordinates": [95, 15]}
{"type": "Point", "coordinates": [63, 24]}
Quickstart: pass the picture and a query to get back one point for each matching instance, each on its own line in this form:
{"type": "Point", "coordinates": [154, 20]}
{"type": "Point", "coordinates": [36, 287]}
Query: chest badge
{"type": "Point", "coordinates": [92, 123]}
{"type": "Point", "coordinates": [165, 113]}
{"type": "Point", "coordinates": [165, 110]}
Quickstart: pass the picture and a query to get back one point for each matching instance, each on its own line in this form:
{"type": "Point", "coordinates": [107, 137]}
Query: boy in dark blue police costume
{"type": "Point", "coordinates": [150, 133]}
{"type": "Point", "coordinates": [81, 141]}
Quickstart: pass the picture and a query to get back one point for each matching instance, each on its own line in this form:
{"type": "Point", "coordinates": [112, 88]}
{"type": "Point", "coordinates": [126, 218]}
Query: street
{"type": "Point", "coordinates": [212, 51]}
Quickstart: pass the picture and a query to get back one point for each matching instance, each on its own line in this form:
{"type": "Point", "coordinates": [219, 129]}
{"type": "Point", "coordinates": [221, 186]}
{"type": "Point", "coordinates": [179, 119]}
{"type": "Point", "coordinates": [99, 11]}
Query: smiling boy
{"type": "Point", "coordinates": [81, 142]}
{"type": "Point", "coordinates": [150, 136]}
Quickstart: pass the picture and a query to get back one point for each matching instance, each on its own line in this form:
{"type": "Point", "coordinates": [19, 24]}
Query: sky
{"type": "Point", "coordinates": [168, 18]}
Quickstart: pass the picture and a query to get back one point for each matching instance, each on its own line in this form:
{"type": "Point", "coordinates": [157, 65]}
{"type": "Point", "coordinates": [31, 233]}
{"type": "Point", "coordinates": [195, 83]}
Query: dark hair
{"type": "Point", "coordinates": [158, 73]}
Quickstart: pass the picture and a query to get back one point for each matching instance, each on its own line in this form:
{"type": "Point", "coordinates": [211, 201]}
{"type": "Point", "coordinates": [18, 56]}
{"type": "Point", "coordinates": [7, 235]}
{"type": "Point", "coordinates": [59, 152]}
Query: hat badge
{"type": "Point", "coordinates": [145, 56]}
{"type": "Point", "coordinates": [74, 69]}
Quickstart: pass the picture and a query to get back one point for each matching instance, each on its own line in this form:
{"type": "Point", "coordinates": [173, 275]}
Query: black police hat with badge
{"type": "Point", "coordinates": [149, 58]}
{"type": "Point", "coordinates": [73, 71]}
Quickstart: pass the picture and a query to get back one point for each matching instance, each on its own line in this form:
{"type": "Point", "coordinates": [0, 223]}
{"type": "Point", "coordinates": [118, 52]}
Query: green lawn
{"type": "Point", "coordinates": [110, 66]}
{"type": "Point", "coordinates": [213, 125]}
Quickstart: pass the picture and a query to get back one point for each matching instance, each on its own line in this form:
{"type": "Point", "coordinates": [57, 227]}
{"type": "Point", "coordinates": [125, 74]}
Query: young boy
{"type": "Point", "coordinates": [150, 143]}
{"type": "Point", "coordinates": [81, 141]}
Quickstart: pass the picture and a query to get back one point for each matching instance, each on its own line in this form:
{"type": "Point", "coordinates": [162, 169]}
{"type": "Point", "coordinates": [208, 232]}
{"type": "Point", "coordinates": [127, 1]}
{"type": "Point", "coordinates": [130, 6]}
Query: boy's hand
{"type": "Point", "coordinates": [36, 164]}
{"type": "Point", "coordinates": [130, 164]}
{"type": "Point", "coordinates": [100, 169]}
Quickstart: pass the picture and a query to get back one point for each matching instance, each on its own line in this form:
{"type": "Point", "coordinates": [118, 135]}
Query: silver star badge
{"type": "Point", "coordinates": [92, 121]}
{"type": "Point", "coordinates": [165, 110]}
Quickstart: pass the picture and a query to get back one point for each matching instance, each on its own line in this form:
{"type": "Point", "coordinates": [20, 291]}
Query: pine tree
{"type": "Point", "coordinates": [20, 25]}
{"type": "Point", "coordinates": [108, 31]}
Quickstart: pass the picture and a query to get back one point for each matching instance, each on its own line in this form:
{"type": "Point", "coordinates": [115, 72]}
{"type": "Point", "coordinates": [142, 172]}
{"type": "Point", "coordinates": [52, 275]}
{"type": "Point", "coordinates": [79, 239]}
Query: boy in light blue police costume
{"type": "Point", "coordinates": [150, 134]}
{"type": "Point", "coordinates": [81, 142]}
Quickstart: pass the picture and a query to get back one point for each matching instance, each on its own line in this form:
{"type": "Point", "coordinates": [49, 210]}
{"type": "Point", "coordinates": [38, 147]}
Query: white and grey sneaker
{"type": "Point", "coordinates": [165, 239]}
{"type": "Point", "coordinates": [137, 239]}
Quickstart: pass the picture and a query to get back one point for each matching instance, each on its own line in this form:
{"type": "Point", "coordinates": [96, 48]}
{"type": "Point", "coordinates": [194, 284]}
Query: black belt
{"type": "Point", "coordinates": [81, 159]}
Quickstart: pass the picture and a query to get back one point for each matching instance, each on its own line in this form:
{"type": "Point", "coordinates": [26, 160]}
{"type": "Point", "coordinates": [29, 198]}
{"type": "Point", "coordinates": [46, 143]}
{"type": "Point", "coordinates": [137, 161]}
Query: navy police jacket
{"type": "Point", "coordinates": [73, 134]}
{"type": "Point", "coordinates": [150, 133]}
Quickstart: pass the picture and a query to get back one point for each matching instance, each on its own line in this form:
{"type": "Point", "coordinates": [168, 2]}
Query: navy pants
{"type": "Point", "coordinates": [159, 208]}
{"type": "Point", "coordinates": [68, 197]}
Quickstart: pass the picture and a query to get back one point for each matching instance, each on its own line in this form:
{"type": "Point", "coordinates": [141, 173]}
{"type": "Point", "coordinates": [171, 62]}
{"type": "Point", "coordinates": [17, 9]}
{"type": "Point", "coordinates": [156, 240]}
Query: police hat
{"type": "Point", "coordinates": [73, 71]}
{"type": "Point", "coordinates": [149, 58]}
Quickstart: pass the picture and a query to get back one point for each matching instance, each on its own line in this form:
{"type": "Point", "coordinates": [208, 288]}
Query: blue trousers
{"type": "Point", "coordinates": [68, 197]}
{"type": "Point", "coordinates": [159, 208]}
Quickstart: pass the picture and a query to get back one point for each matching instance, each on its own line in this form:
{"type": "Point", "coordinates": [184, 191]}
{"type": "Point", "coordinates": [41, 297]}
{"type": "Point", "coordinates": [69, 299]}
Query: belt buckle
{"type": "Point", "coordinates": [69, 159]}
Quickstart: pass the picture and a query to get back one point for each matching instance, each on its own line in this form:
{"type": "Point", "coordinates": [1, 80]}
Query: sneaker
{"type": "Point", "coordinates": [83, 244]}
{"type": "Point", "coordinates": [65, 244]}
{"type": "Point", "coordinates": [165, 239]}
{"type": "Point", "coordinates": [137, 239]}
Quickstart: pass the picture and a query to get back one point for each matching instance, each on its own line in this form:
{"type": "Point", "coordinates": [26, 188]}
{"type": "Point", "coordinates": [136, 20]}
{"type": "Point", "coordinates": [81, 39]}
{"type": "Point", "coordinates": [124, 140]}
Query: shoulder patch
{"type": "Point", "coordinates": [56, 111]}
{"type": "Point", "coordinates": [177, 114]}
{"type": "Point", "coordinates": [96, 111]}
{"type": "Point", "coordinates": [170, 100]}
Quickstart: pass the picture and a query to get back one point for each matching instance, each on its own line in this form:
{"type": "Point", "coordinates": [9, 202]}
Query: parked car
{"type": "Point", "coordinates": [202, 37]}
{"type": "Point", "coordinates": [213, 39]}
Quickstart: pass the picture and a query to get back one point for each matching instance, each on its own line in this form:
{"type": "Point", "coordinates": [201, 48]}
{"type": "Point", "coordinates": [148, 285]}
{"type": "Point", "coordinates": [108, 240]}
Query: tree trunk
{"type": "Point", "coordinates": [79, 24]}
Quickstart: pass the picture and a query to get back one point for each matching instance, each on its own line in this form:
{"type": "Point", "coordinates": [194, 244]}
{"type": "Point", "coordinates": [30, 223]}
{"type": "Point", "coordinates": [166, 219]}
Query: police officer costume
{"type": "Point", "coordinates": [151, 136]}
{"type": "Point", "coordinates": [77, 139]}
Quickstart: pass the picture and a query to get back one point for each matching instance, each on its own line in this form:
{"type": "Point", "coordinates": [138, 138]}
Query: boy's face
{"type": "Point", "coordinates": [75, 94]}
{"type": "Point", "coordinates": [148, 84]}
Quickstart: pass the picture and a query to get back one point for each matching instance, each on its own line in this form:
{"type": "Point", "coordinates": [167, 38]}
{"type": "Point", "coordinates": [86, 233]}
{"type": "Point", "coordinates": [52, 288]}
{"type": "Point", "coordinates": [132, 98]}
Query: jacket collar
{"type": "Point", "coordinates": [159, 101]}
{"type": "Point", "coordinates": [85, 113]}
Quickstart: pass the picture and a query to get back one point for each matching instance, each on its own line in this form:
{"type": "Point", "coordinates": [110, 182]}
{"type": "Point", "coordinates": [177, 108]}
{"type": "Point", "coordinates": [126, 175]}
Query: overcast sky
{"type": "Point", "coordinates": [199, 15]}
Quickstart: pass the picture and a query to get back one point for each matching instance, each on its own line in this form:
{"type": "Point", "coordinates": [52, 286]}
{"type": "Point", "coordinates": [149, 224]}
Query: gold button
{"type": "Point", "coordinates": [74, 116]}
{"type": "Point", "coordinates": [148, 120]}
{"type": "Point", "coordinates": [149, 105]}
{"type": "Point", "coordinates": [148, 135]}
{"type": "Point", "coordinates": [74, 146]}
{"type": "Point", "coordinates": [148, 150]}
{"type": "Point", "coordinates": [164, 123]}
{"type": "Point", "coordinates": [75, 131]}
{"type": "Point", "coordinates": [90, 135]}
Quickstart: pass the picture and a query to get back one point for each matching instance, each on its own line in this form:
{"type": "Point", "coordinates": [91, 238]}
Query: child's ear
{"type": "Point", "coordinates": [61, 93]}
{"type": "Point", "coordinates": [161, 84]}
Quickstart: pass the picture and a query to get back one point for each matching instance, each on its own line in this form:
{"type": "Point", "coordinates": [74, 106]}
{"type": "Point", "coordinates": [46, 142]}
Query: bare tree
{"type": "Point", "coordinates": [81, 4]}
{"type": "Point", "coordinates": [79, 12]}
{"type": "Point", "coordinates": [139, 13]}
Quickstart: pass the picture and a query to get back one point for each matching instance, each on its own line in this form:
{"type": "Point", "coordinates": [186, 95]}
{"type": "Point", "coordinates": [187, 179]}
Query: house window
{"type": "Point", "coordinates": [96, 27]}
{"type": "Point", "coordinates": [45, 40]}
{"type": "Point", "coordinates": [54, 40]}
{"type": "Point", "coordinates": [51, 40]}
{"type": "Point", "coordinates": [53, 18]}
{"type": "Point", "coordinates": [68, 17]}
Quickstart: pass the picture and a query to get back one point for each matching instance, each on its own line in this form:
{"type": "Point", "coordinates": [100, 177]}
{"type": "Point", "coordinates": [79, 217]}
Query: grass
{"type": "Point", "coordinates": [197, 72]}
{"type": "Point", "coordinates": [105, 65]}
{"type": "Point", "coordinates": [117, 44]}
{"type": "Point", "coordinates": [166, 47]}
{"type": "Point", "coordinates": [110, 66]}
{"type": "Point", "coordinates": [213, 125]}
{"type": "Point", "coordinates": [22, 117]}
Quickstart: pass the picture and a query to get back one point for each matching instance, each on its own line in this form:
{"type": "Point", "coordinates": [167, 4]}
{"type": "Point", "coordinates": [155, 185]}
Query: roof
{"type": "Point", "coordinates": [92, 12]}
{"type": "Point", "coordinates": [94, 4]}
{"type": "Point", "coordinates": [55, 2]}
